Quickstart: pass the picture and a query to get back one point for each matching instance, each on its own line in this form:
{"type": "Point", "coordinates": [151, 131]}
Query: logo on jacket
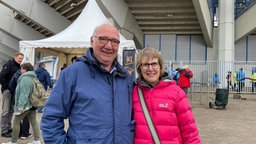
{"type": "Point", "coordinates": [163, 105]}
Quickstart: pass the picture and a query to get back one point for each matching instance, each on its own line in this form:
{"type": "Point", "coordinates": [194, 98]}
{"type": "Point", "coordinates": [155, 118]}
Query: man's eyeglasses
{"type": "Point", "coordinates": [154, 65]}
{"type": "Point", "coordinates": [104, 40]}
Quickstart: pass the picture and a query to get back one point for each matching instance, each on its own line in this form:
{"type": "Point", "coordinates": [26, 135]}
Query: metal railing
{"type": "Point", "coordinates": [204, 71]}
{"type": "Point", "coordinates": [198, 92]}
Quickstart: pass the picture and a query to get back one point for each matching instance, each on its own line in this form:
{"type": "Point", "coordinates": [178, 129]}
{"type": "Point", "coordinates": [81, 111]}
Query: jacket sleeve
{"type": "Point", "coordinates": [13, 82]}
{"type": "Point", "coordinates": [188, 128]}
{"type": "Point", "coordinates": [6, 69]}
{"type": "Point", "coordinates": [48, 80]}
{"type": "Point", "coordinates": [57, 109]}
{"type": "Point", "coordinates": [12, 85]}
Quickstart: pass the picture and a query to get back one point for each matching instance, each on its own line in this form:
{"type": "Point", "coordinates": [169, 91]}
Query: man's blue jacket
{"type": "Point", "coordinates": [96, 103]}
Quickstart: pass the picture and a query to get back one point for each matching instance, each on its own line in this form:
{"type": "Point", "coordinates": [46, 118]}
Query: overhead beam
{"type": "Point", "coordinates": [172, 28]}
{"type": "Point", "coordinates": [156, 4]}
{"type": "Point", "coordinates": [204, 18]}
{"type": "Point", "coordinates": [245, 24]}
{"type": "Point", "coordinates": [156, 22]}
{"type": "Point", "coordinates": [172, 32]}
{"type": "Point", "coordinates": [165, 17]}
{"type": "Point", "coordinates": [148, 11]}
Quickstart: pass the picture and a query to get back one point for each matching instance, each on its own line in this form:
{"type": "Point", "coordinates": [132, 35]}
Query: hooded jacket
{"type": "Point", "coordinates": [24, 89]}
{"type": "Point", "coordinates": [97, 104]}
{"type": "Point", "coordinates": [44, 77]}
{"type": "Point", "coordinates": [170, 112]}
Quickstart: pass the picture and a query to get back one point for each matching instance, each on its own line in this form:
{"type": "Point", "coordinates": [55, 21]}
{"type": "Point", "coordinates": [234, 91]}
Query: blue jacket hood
{"type": "Point", "coordinates": [44, 77]}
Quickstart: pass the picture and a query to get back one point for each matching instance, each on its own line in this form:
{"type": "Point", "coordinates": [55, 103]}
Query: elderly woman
{"type": "Point", "coordinates": [167, 104]}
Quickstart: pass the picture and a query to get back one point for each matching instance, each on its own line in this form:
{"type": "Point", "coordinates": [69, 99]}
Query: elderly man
{"type": "Point", "coordinates": [94, 93]}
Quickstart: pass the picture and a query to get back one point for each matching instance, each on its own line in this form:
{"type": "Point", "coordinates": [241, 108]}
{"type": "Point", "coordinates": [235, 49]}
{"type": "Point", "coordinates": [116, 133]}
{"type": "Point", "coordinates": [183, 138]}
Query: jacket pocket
{"type": "Point", "coordinates": [125, 133]}
{"type": "Point", "coordinates": [88, 136]}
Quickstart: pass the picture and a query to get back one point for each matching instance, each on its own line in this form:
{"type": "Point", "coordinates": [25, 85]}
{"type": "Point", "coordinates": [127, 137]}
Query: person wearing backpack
{"type": "Point", "coordinates": [23, 105]}
{"type": "Point", "coordinates": [44, 77]}
{"type": "Point", "coordinates": [24, 126]}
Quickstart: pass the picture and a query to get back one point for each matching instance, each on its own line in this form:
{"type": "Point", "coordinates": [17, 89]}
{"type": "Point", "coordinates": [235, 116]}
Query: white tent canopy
{"type": "Point", "coordinates": [75, 39]}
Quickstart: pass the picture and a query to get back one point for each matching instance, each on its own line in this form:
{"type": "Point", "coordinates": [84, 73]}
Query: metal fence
{"type": "Point", "coordinates": [204, 71]}
{"type": "Point", "coordinates": [203, 89]}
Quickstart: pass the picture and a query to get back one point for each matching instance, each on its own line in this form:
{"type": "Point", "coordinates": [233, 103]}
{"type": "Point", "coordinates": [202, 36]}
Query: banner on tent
{"type": "Point", "coordinates": [129, 61]}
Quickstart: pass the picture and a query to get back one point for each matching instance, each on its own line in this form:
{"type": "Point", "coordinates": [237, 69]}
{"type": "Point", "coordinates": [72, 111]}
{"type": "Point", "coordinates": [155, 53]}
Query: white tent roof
{"type": "Point", "coordinates": [77, 35]}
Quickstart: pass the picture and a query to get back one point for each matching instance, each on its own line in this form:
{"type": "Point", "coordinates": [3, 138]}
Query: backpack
{"type": "Point", "coordinates": [39, 95]}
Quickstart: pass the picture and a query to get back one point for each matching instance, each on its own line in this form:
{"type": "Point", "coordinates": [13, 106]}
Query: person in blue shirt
{"type": "Point", "coordinates": [240, 76]}
{"type": "Point", "coordinates": [94, 94]}
{"type": "Point", "coordinates": [176, 75]}
{"type": "Point", "coordinates": [216, 79]}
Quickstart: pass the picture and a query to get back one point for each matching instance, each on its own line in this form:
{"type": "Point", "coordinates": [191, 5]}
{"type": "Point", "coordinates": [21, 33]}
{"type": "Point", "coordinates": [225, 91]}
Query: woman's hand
{"type": "Point", "coordinates": [21, 111]}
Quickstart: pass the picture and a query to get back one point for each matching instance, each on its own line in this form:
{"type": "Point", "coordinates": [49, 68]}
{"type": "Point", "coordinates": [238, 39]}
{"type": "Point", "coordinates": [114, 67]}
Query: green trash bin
{"type": "Point", "coordinates": [221, 98]}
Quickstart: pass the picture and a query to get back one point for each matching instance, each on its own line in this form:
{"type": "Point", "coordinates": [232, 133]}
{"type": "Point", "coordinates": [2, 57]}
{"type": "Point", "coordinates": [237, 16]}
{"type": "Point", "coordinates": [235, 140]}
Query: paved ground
{"type": "Point", "coordinates": [233, 125]}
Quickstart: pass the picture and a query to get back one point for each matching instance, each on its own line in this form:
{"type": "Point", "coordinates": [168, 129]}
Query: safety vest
{"type": "Point", "coordinates": [254, 77]}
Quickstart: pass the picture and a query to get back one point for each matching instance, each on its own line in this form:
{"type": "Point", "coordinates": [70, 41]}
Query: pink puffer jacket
{"type": "Point", "coordinates": [170, 112]}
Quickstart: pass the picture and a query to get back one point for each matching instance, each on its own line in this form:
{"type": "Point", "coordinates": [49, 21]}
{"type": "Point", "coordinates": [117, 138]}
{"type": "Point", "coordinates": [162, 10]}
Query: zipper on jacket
{"type": "Point", "coordinates": [112, 75]}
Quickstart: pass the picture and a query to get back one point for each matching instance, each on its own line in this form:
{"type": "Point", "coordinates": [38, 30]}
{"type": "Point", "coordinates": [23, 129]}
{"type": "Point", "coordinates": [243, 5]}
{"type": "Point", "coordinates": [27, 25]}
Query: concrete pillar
{"type": "Point", "coordinates": [226, 30]}
{"type": "Point", "coordinates": [226, 38]}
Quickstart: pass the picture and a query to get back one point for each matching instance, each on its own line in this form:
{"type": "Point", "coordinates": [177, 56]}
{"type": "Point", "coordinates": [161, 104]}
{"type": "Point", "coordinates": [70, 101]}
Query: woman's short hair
{"type": "Point", "coordinates": [27, 66]}
{"type": "Point", "coordinates": [150, 53]}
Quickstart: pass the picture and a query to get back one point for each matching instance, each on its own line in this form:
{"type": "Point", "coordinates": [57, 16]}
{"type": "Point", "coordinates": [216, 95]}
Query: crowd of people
{"type": "Point", "coordinates": [17, 86]}
{"type": "Point", "coordinates": [101, 99]}
{"type": "Point", "coordinates": [236, 81]}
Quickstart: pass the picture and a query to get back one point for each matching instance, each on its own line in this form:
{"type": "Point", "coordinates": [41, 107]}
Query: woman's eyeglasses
{"type": "Point", "coordinates": [105, 40]}
{"type": "Point", "coordinates": [154, 65]}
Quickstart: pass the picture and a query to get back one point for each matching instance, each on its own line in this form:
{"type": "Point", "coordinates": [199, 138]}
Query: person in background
{"type": "Point", "coordinates": [184, 79]}
{"type": "Point", "coordinates": [172, 73]}
{"type": "Point", "coordinates": [166, 69]}
{"type": "Point", "coordinates": [63, 67]}
{"type": "Point", "coordinates": [23, 106]}
{"type": "Point", "coordinates": [8, 70]}
{"type": "Point", "coordinates": [176, 76]}
{"type": "Point", "coordinates": [73, 59]}
{"type": "Point", "coordinates": [240, 76]}
{"type": "Point", "coordinates": [235, 80]}
{"type": "Point", "coordinates": [216, 79]}
{"type": "Point", "coordinates": [44, 77]}
{"type": "Point", "coordinates": [229, 80]}
{"type": "Point", "coordinates": [24, 126]}
{"type": "Point", "coordinates": [94, 94]}
{"type": "Point", "coordinates": [166, 102]}
{"type": "Point", "coordinates": [253, 81]}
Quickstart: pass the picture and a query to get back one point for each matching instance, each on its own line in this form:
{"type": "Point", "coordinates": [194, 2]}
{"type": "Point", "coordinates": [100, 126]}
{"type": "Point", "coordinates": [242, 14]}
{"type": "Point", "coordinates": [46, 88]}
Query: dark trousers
{"type": "Point", "coordinates": [240, 86]}
{"type": "Point", "coordinates": [24, 127]}
{"type": "Point", "coordinates": [234, 85]}
{"type": "Point", "coordinates": [229, 84]}
{"type": "Point", "coordinates": [253, 86]}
